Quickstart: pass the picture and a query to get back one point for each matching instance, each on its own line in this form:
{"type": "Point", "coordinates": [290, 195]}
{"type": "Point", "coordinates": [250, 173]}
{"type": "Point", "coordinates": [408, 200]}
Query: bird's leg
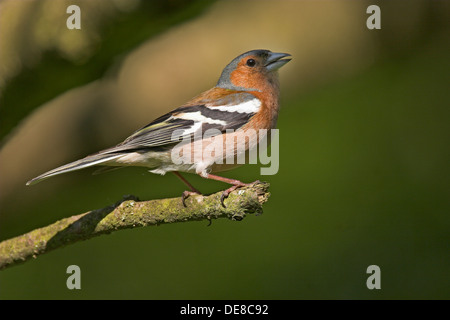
{"type": "Point", "coordinates": [186, 194]}
{"type": "Point", "coordinates": [236, 184]}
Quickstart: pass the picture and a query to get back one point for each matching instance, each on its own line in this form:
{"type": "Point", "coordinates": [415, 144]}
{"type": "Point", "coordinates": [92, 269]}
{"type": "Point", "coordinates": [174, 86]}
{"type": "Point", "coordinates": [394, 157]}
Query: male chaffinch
{"type": "Point", "coordinates": [245, 99]}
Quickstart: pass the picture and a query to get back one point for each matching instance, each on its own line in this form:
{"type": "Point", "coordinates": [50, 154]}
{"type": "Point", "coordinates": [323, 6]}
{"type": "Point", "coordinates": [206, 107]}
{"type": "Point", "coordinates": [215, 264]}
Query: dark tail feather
{"type": "Point", "coordinates": [76, 165]}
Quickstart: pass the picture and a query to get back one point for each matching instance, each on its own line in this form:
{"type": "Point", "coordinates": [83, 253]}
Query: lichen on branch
{"type": "Point", "coordinates": [131, 213]}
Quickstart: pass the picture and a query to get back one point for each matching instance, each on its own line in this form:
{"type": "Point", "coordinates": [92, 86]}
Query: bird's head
{"type": "Point", "coordinates": [252, 71]}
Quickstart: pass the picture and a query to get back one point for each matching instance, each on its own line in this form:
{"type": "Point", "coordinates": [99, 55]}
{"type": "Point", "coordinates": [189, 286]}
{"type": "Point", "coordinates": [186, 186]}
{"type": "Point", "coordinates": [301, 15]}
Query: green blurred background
{"type": "Point", "coordinates": [364, 147]}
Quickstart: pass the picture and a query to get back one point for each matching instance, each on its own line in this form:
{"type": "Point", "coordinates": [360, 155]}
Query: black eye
{"type": "Point", "coordinates": [251, 62]}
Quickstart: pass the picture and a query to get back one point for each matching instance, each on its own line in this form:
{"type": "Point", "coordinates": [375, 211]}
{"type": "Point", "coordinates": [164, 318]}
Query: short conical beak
{"type": "Point", "coordinates": [275, 60]}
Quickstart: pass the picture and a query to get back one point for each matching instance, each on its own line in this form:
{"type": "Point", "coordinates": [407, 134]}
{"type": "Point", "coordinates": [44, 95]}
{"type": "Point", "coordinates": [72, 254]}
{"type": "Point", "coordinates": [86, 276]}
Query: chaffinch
{"type": "Point", "coordinates": [244, 100]}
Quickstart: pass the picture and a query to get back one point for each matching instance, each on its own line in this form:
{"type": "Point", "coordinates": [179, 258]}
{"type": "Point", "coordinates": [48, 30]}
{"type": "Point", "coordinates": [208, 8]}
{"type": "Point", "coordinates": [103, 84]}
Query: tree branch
{"type": "Point", "coordinates": [131, 213]}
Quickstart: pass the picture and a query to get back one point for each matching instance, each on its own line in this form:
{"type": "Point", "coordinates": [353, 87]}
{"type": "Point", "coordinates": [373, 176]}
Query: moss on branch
{"type": "Point", "coordinates": [131, 213]}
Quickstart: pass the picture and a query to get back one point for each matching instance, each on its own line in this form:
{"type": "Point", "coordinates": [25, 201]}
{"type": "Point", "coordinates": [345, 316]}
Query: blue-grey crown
{"type": "Point", "coordinates": [224, 80]}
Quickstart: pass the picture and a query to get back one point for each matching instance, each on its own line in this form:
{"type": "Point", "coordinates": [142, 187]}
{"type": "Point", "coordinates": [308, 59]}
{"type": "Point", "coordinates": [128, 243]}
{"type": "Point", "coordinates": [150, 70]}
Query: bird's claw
{"type": "Point", "coordinates": [186, 195]}
{"type": "Point", "coordinates": [227, 192]}
{"type": "Point", "coordinates": [224, 195]}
